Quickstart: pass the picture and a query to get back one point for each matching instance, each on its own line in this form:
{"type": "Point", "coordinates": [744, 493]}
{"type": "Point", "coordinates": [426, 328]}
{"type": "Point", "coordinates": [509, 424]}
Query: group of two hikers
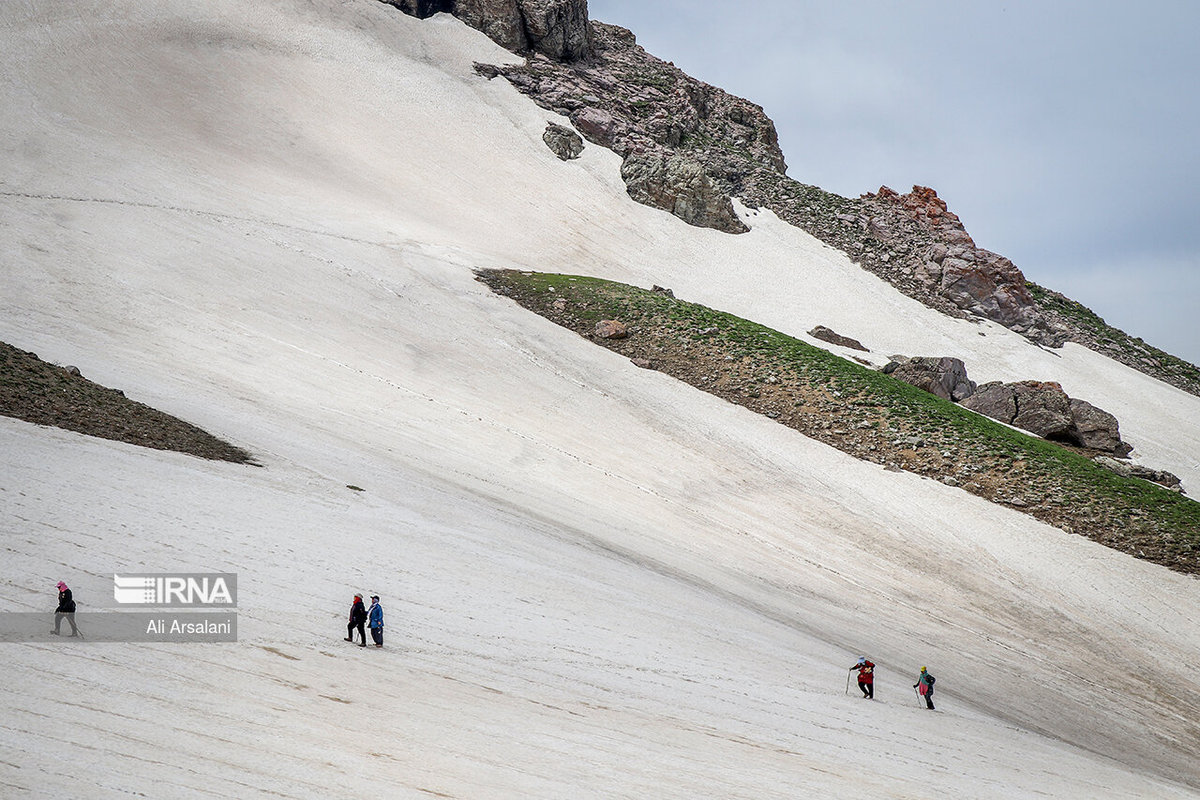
{"type": "Point", "coordinates": [866, 681]}
{"type": "Point", "coordinates": [360, 615]}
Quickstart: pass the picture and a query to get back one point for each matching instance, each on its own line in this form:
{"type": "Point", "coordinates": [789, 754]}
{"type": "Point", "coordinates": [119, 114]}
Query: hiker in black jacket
{"type": "Point", "coordinates": [358, 618]}
{"type": "Point", "coordinates": [66, 608]}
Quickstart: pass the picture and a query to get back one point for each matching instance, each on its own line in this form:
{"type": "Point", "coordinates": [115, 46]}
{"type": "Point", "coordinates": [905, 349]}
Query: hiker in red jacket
{"type": "Point", "coordinates": [358, 618]}
{"type": "Point", "coordinates": [866, 677]}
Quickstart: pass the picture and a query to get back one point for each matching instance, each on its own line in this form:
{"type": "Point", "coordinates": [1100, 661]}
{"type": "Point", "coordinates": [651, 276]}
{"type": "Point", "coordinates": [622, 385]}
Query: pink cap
{"type": "Point", "coordinates": [61, 585]}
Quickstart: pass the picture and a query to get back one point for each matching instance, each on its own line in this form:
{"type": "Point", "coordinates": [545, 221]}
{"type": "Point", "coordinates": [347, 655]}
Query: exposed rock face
{"type": "Point", "coordinates": [558, 29]}
{"type": "Point", "coordinates": [827, 335]}
{"type": "Point", "coordinates": [499, 19]}
{"type": "Point", "coordinates": [563, 142]}
{"type": "Point", "coordinates": [945, 377]}
{"type": "Point", "coordinates": [1044, 409]}
{"type": "Point", "coordinates": [597, 125]}
{"type": "Point", "coordinates": [681, 186]}
{"type": "Point", "coordinates": [686, 144]}
{"type": "Point", "coordinates": [973, 279]}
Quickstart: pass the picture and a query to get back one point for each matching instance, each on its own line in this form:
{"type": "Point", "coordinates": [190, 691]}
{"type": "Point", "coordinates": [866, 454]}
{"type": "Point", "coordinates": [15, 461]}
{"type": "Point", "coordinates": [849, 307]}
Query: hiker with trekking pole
{"type": "Point", "coordinates": [924, 688]}
{"type": "Point", "coordinates": [866, 678]}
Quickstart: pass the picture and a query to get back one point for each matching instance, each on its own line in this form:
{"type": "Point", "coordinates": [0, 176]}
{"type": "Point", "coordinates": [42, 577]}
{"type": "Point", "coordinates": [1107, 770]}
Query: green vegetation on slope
{"type": "Point", "coordinates": [45, 394]}
{"type": "Point", "coordinates": [869, 414]}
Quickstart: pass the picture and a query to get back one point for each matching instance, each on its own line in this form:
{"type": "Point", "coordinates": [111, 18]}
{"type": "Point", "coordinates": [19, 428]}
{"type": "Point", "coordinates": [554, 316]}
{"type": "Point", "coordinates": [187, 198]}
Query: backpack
{"type": "Point", "coordinates": [931, 681]}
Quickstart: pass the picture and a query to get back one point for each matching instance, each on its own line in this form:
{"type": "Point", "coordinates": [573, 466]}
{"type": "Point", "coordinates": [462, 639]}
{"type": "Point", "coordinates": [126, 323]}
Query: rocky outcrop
{"type": "Point", "coordinates": [1126, 470]}
{"type": "Point", "coordinates": [828, 335]}
{"type": "Point", "coordinates": [686, 144]}
{"type": "Point", "coordinates": [557, 29]}
{"type": "Point", "coordinates": [1040, 407]}
{"type": "Point", "coordinates": [681, 186]}
{"type": "Point", "coordinates": [945, 377]}
{"type": "Point", "coordinates": [563, 142]}
{"type": "Point", "coordinates": [949, 263]}
{"type": "Point", "coordinates": [1044, 409]}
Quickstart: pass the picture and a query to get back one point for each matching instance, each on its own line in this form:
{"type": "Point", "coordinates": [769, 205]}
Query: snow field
{"type": "Point", "coordinates": [263, 218]}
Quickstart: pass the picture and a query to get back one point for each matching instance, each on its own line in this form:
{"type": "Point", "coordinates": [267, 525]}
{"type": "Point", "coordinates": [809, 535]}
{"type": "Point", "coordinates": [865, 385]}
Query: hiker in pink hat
{"type": "Point", "coordinates": [66, 608]}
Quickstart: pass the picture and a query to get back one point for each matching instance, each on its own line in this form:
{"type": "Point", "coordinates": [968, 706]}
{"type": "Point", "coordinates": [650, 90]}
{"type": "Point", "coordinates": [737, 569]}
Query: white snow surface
{"type": "Point", "coordinates": [263, 217]}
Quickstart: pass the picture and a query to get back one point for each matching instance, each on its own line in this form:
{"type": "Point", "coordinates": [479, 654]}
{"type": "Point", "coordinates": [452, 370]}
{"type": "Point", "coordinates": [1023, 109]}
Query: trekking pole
{"type": "Point", "coordinates": [918, 694]}
{"type": "Point", "coordinates": [848, 680]}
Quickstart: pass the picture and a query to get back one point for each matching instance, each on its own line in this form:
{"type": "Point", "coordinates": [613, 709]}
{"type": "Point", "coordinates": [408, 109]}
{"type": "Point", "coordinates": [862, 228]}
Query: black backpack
{"type": "Point", "coordinates": [931, 681]}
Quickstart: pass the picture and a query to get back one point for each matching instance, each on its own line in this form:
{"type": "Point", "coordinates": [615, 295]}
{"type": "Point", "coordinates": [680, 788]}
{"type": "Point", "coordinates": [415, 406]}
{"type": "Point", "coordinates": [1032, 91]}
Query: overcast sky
{"type": "Point", "coordinates": [1063, 133]}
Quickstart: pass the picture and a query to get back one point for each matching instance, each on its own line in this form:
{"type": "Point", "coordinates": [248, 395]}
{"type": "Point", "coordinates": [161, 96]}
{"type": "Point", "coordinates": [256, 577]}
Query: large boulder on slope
{"type": "Point", "coordinates": [831, 336]}
{"type": "Point", "coordinates": [563, 142]}
{"type": "Point", "coordinates": [996, 400]}
{"type": "Point", "coordinates": [679, 185]}
{"type": "Point", "coordinates": [611, 329]}
{"type": "Point", "coordinates": [1043, 408]}
{"type": "Point", "coordinates": [946, 377]}
{"type": "Point", "coordinates": [1097, 429]}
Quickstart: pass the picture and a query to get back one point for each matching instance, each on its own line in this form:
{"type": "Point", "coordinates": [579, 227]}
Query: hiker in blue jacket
{"type": "Point", "coordinates": [375, 620]}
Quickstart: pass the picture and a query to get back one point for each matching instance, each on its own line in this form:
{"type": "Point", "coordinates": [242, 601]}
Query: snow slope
{"type": "Point", "coordinates": [263, 218]}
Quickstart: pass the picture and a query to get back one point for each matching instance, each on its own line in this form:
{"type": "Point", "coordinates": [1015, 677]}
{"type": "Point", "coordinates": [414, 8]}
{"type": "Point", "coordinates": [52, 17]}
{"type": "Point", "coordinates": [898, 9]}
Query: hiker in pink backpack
{"type": "Point", "coordinates": [924, 687]}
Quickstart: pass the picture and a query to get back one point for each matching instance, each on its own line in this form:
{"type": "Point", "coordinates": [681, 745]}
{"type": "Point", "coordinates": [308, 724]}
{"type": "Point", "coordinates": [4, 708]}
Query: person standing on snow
{"type": "Point", "coordinates": [924, 687]}
{"type": "Point", "coordinates": [375, 617]}
{"type": "Point", "coordinates": [66, 609]}
{"type": "Point", "coordinates": [358, 617]}
{"type": "Point", "coordinates": [866, 677]}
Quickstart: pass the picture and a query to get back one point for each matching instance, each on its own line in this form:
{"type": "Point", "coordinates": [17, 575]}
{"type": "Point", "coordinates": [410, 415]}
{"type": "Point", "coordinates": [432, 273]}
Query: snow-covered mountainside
{"type": "Point", "coordinates": [263, 218]}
